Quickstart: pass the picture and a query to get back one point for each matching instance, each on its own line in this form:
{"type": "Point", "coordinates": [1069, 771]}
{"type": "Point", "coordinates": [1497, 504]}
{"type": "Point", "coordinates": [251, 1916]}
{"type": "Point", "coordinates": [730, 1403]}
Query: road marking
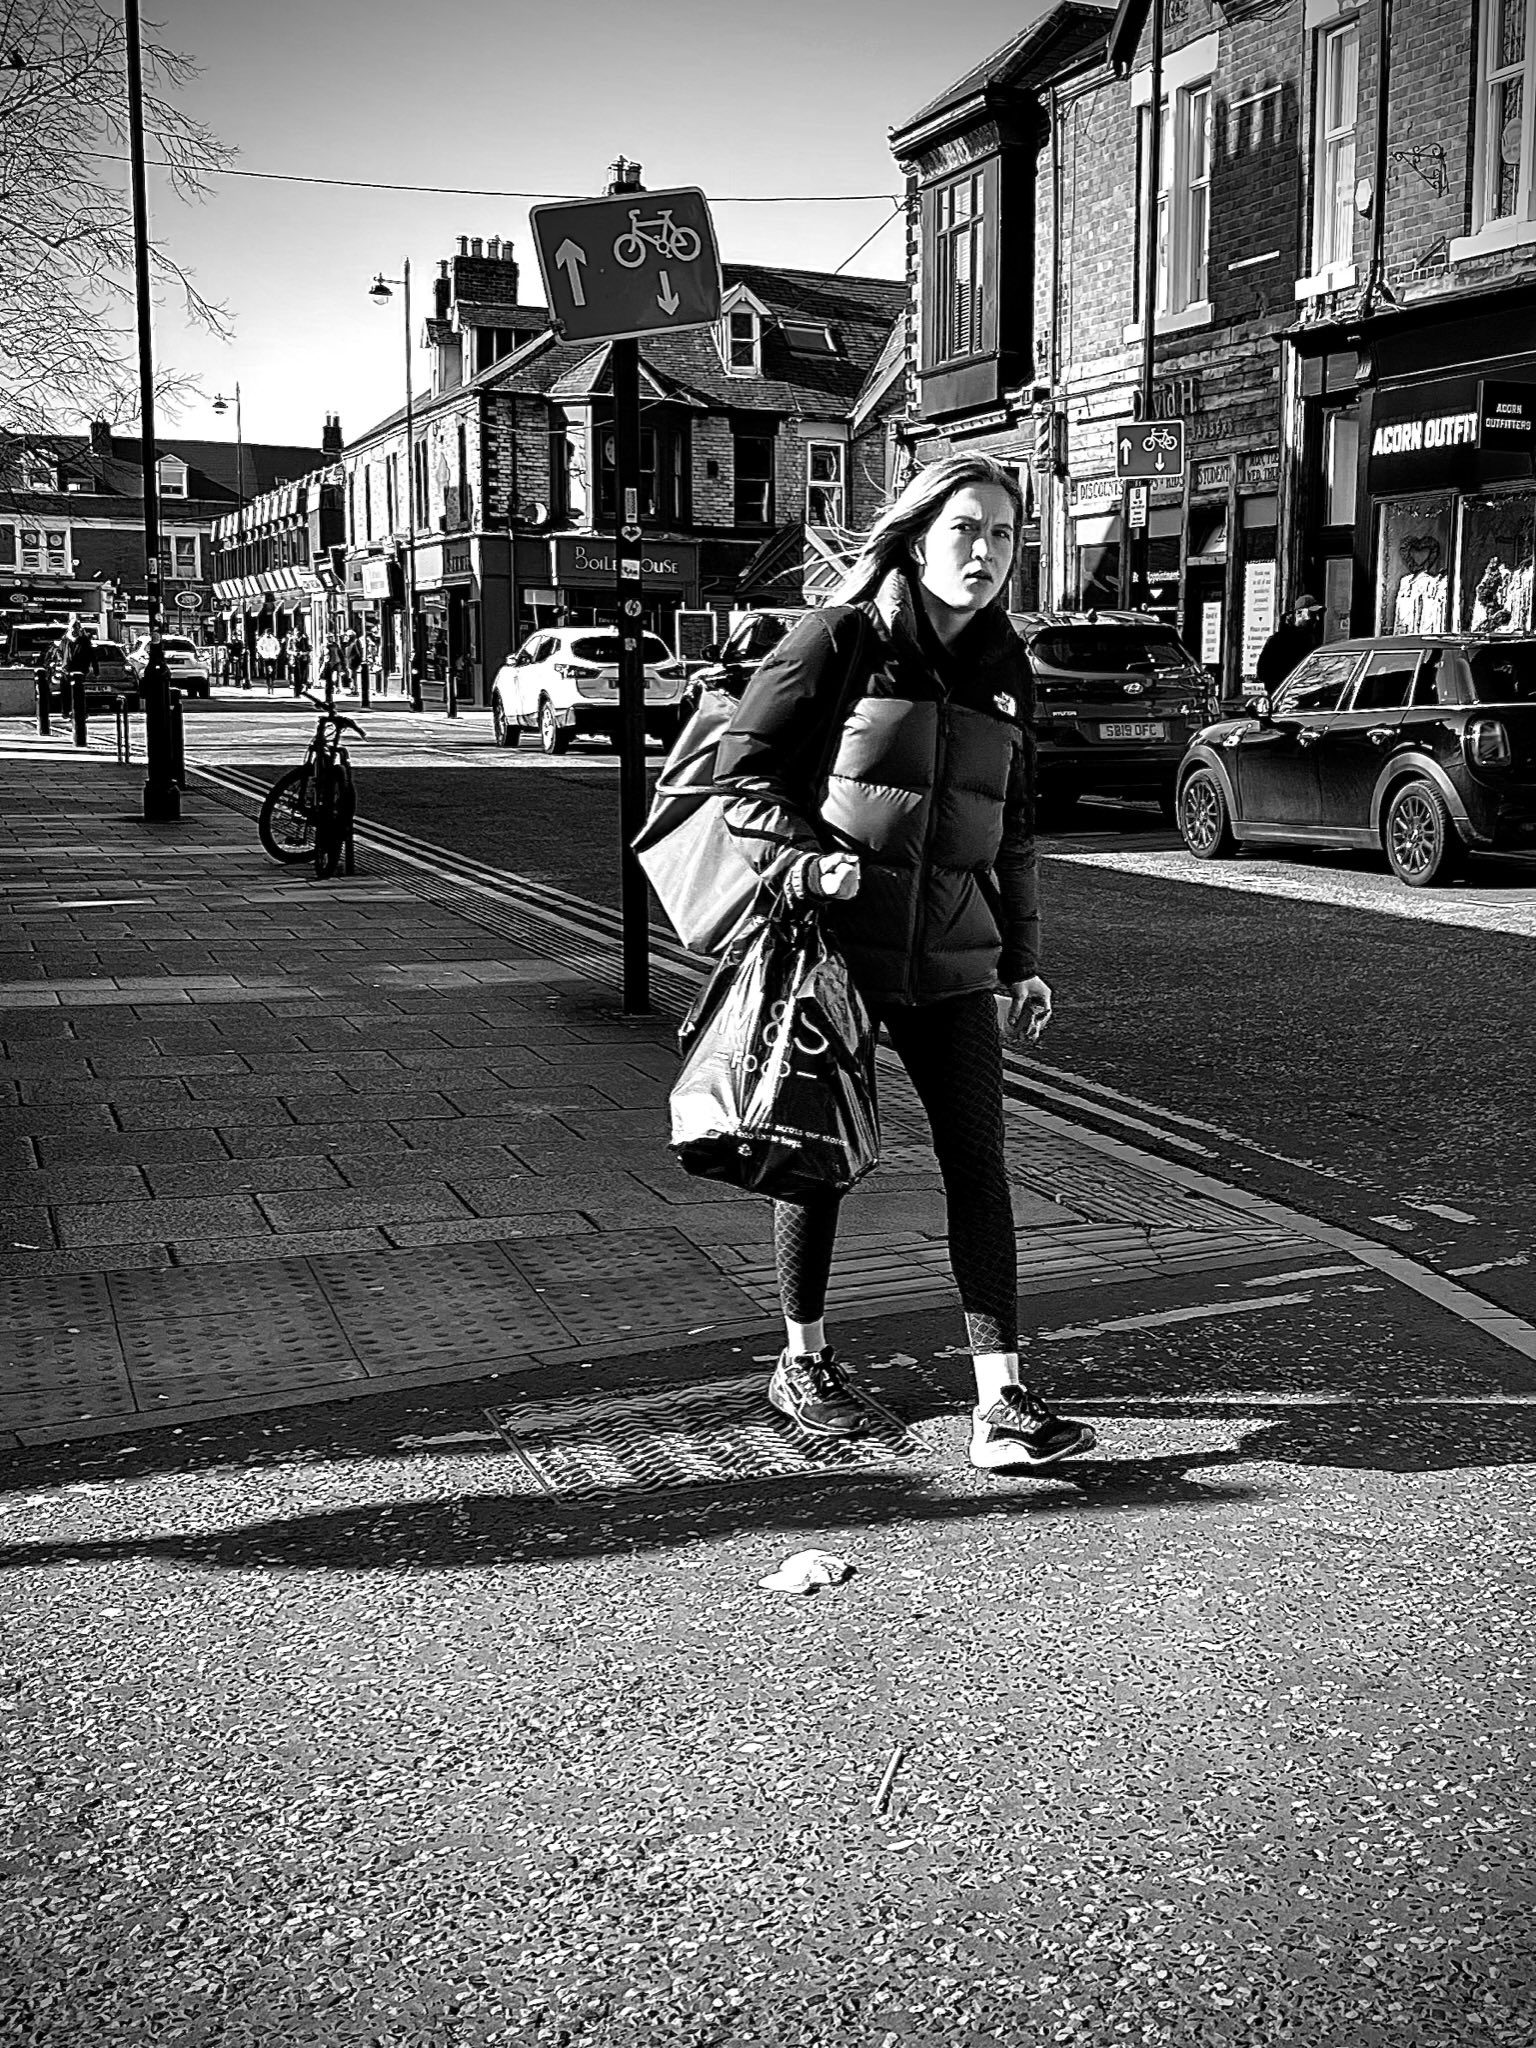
{"type": "Point", "coordinates": [1501, 1325]}
{"type": "Point", "coordinates": [1443, 1209]}
{"type": "Point", "coordinates": [1492, 1265]}
{"type": "Point", "coordinates": [1301, 1273]}
{"type": "Point", "coordinates": [1202, 1312]}
{"type": "Point", "coordinates": [1509, 910]}
{"type": "Point", "coordinates": [1393, 1222]}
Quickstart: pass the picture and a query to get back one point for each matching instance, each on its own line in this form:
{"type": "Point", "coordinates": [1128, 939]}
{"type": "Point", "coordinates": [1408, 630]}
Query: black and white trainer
{"type": "Point", "coordinates": [813, 1391]}
{"type": "Point", "coordinates": [1020, 1433]}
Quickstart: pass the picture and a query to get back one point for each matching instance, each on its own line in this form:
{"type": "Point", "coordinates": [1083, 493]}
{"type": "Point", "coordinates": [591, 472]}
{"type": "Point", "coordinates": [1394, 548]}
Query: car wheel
{"type": "Point", "coordinates": [1058, 808]}
{"type": "Point", "coordinates": [553, 738]}
{"type": "Point", "coordinates": [1204, 821]}
{"type": "Point", "coordinates": [1422, 844]}
{"type": "Point", "coordinates": [507, 734]}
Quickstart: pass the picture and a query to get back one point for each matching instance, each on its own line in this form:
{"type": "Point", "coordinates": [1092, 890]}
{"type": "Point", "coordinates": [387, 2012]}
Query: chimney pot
{"type": "Point", "coordinates": [101, 437]}
{"type": "Point", "coordinates": [476, 246]}
{"type": "Point", "coordinates": [442, 268]}
{"type": "Point", "coordinates": [493, 248]}
{"type": "Point", "coordinates": [463, 245]}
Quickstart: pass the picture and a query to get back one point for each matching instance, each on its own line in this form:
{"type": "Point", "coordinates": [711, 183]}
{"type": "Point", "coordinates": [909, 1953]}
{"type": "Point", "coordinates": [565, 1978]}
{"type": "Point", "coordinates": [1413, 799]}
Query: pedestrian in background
{"type": "Point", "coordinates": [354, 656]}
{"type": "Point", "coordinates": [267, 651]}
{"type": "Point", "coordinates": [302, 653]}
{"type": "Point", "coordinates": [1292, 640]}
{"type": "Point", "coordinates": [921, 847]}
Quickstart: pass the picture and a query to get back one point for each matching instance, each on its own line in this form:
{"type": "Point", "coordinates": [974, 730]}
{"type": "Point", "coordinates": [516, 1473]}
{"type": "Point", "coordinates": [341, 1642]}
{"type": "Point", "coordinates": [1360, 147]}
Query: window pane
{"type": "Point", "coordinates": [1510, 41]}
{"type": "Point", "coordinates": [1508, 107]}
{"type": "Point", "coordinates": [1340, 459]}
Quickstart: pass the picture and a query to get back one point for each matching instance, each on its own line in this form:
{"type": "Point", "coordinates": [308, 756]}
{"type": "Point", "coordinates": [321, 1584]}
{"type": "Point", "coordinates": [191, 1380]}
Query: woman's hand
{"type": "Point", "coordinates": [836, 875]}
{"type": "Point", "coordinates": [1029, 1010]}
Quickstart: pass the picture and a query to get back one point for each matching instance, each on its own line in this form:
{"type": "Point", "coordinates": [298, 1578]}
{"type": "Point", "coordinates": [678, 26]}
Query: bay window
{"type": "Point", "coordinates": [958, 269]}
{"type": "Point", "coordinates": [824, 486]}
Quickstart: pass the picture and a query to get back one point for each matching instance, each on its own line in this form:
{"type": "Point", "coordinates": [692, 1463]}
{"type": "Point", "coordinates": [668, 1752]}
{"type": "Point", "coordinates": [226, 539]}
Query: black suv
{"type": "Point", "coordinates": [1117, 698]}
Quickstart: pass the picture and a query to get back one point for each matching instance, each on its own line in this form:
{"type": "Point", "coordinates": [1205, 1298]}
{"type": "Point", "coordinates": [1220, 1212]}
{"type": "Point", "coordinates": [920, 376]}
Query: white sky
{"type": "Point", "coordinates": [760, 97]}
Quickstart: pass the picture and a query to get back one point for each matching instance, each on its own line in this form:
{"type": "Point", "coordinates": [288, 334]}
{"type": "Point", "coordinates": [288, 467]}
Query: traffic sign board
{"type": "Point", "coordinates": [629, 264]}
{"type": "Point", "coordinates": [1146, 448]}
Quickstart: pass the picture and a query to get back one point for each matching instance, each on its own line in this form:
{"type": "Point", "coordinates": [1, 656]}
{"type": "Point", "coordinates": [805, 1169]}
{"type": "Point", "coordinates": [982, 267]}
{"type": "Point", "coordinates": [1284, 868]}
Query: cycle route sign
{"type": "Point", "coordinates": [629, 264]}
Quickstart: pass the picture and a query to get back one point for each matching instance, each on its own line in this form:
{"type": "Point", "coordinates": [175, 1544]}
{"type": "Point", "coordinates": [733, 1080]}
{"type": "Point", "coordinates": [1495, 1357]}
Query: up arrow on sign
{"type": "Point", "coordinates": [571, 256]}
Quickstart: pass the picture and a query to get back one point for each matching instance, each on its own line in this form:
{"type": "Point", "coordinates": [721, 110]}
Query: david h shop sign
{"type": "Point", "coordinates": [1457, 430]}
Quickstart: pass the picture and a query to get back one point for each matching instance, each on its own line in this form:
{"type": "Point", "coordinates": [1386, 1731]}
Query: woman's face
{"type": "Point", "coordinates": [964, 557]}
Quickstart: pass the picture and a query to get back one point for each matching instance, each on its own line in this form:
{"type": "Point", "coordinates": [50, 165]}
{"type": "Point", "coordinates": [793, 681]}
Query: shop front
{"type": "Point", "coordinates": [570, 579]}
{"type": "Point", "coordinates": [449, 622]}
{"type": "Point", "coordinates": [1453, 504]}
{"type": "Point", "coordinates": [1416, 499]}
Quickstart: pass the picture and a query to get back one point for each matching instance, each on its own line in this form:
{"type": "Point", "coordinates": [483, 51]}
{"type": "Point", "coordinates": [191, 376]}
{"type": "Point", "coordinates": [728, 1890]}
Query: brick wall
{"type": "Point", "coordinates": [714, 501]}
{"type": "Point", "coordinates": [499, 452]}
{"type": "Point", "coordinates": [530, 479]}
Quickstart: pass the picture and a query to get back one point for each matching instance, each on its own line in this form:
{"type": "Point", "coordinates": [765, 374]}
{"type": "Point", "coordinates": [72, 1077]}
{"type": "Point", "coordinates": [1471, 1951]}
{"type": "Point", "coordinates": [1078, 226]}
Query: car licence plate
{"type": "Point", "coordinates": [1132, 729]}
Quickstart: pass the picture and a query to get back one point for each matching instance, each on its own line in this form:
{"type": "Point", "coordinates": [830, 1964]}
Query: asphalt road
{"type": "Point", "coordinates": [1357, 1048]}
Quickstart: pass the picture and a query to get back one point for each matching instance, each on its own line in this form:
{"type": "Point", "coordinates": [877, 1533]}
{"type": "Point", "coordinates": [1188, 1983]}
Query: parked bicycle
{"type": "Point", "coordinates": [308, 813]}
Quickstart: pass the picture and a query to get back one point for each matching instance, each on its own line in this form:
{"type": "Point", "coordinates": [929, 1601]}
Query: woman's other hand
{"type": "Point", "coordinates": [1029, 1010]}
{"type": "Point", "coordinates": [836, 875]}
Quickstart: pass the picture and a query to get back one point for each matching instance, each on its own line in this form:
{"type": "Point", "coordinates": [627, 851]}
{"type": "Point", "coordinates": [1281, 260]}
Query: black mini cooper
{"type": "Point", "coordinates": [1421, 747]}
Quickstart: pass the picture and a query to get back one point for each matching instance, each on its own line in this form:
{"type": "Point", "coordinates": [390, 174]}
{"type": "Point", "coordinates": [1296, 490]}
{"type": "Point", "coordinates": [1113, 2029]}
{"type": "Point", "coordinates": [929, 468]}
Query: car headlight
{"type": "Point", "coordinates": [1488, 744]}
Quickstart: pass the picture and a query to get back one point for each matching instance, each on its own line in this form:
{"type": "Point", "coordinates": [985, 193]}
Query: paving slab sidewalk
{"type": "Point", "coordinates": [266, 1140]}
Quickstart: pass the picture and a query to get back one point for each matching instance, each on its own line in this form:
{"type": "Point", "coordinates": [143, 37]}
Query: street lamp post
{"type": "Point", "coordinates": [221, 406]}
{"type": "Point", "coordinates": [381, 294]}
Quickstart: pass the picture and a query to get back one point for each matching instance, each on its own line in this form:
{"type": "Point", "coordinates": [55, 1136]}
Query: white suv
{"type": "Point", "coordinates": [187, 662]}
{"type": "Point", "coordinates": [564, 684]}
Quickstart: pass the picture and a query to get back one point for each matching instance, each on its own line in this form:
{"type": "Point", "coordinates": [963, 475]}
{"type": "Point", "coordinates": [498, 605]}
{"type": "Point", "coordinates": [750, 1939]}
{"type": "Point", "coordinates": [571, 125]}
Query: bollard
{"type": "Point", "coordinates": [178, 743]}
{"type": "Point", "coordinates": [124, 734]}
{"type": "Point", "coordinates": [44, 700]}
{"type": "Point", "coordinates": [77, 704]}
{"type": "Point", "coordinates": [367, 700]}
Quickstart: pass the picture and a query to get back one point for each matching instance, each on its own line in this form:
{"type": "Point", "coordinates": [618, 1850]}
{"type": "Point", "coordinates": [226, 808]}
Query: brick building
{"type": "Point", "coordinates": [765, 439]}
{"type": "Point", "coordinates": [1411, 369]}
{"type": "Point", "coordinates": [1027, 182]}
{"type": "Point", "coordinates": [72, 522]}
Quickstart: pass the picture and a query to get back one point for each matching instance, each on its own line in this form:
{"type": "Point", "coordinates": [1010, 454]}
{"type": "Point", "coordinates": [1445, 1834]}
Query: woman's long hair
{"type": "Point", "coordinates": [888, 544]}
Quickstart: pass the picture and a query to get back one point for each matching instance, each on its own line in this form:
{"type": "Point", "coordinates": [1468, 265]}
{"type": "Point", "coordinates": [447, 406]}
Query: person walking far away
{"type": "Point", "coordinates": [78, 657]}
{"type": "Point", "coordinates": [921, 846]}
{"type": "Point", "coordinates": [1291, 640]}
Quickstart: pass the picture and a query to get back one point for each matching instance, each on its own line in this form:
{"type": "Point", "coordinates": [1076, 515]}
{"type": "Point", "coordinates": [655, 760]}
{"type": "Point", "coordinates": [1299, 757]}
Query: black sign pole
{"type": "Point", "coordinates": [162, 797]}
{"type": "Point", "coordinates": [628, 569]}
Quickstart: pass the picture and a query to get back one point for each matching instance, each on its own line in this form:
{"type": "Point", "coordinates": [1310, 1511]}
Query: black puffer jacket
{"type": "Point", "coordinates": [931, 783]}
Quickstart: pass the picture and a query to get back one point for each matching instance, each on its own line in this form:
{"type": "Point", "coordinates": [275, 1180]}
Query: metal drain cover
{"type": "Point", "coordinates": [723, 1434]}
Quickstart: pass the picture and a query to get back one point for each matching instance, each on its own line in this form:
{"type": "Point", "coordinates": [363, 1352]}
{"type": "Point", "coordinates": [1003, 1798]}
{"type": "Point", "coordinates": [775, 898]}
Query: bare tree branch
{"type": "Point", "coordinates": [67, 339]}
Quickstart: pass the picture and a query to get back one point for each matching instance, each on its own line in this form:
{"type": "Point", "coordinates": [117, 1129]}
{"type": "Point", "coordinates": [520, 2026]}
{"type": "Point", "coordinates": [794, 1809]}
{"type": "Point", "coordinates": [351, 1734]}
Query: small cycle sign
{"type": "Point", "coordinates": [629, 264]}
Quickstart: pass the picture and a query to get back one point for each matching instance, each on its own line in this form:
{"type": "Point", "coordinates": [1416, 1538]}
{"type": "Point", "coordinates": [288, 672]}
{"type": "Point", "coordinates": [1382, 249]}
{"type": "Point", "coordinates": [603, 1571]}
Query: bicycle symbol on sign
{"type": "Point", "coordinates": [662, 234]}
{"type": "Point", "coordinates": [1160, 437]}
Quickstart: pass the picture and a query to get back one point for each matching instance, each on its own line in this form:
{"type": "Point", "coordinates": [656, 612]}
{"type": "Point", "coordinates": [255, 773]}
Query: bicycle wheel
{"type": "Point", "coordinates": [685, 244]}
{"type": "Point", "coordinates": [630, 250]}
{"type": "Point", "coordinates": [287, 821]}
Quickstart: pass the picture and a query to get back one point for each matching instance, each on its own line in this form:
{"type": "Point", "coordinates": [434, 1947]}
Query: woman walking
{"type": "Point", "coordinates": [922, 847]}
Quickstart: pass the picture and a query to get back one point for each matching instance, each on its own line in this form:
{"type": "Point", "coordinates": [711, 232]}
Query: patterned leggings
{"type": "Point", "coordinates": [953, 1052]}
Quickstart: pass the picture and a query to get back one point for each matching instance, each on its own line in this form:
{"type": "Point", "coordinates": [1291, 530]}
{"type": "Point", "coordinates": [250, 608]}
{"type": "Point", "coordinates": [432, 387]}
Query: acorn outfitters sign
{"type": "Point", "coordinates": [1454, 430]}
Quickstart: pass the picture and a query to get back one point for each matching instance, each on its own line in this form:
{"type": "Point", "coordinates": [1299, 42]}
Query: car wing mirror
{"type": "Point", "coordinates": [1261, 707]}
{"type": "Point", "coordinates": [710, 651]}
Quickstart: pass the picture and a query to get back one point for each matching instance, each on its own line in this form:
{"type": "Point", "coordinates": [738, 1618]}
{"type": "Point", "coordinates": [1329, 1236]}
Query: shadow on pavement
{"type": "Point", "coordinates": [479, 1528]}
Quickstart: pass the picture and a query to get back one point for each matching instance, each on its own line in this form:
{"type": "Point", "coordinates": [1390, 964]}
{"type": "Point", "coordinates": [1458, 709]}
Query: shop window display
{"type": "Point", "coordinates": [1413, 575]}
{"type": "Point", "coordinates": [1498, 549]}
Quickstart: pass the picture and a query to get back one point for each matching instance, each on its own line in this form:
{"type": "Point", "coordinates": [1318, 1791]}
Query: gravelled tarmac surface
{"type": "Point", "coordinates": [320, 1729]}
